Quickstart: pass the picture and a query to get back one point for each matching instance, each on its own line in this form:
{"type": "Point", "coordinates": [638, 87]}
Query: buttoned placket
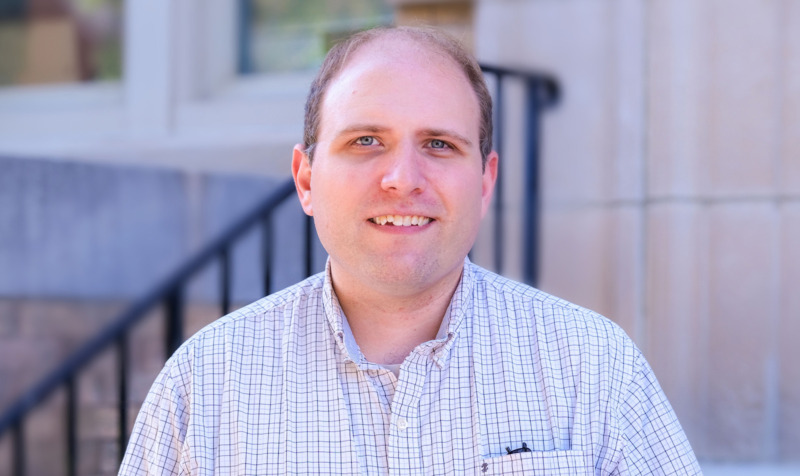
{"type": "Point", "coordinates": [404, 452]}
{"type": "Point", "coordinates": [404, 455]}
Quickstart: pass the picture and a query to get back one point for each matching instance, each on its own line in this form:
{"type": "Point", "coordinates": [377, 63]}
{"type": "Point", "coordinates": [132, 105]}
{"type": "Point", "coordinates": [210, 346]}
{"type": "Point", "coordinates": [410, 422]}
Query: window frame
{"type": "Point", "coordinates": [181, 100]}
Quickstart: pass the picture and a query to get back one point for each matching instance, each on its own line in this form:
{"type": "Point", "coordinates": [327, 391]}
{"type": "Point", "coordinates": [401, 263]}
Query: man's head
{"type": "Point", "coordinates": [430, 39]}
{"type": "Point", "coordinates": [399, 181]}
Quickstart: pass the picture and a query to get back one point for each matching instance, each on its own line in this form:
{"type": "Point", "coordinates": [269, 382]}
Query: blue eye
{"type": "Point", "coordinates": [366, 140]}
{"type": "Point", "coordinates": [438, 144]}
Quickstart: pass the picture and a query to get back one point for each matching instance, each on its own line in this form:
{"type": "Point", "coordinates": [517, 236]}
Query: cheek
{"type": "Point", "coordinates": [322, 189]}
{"type": "Point", "coordinates": [332, 204]}
{"type": "Point", "coordinates": [467, 191]}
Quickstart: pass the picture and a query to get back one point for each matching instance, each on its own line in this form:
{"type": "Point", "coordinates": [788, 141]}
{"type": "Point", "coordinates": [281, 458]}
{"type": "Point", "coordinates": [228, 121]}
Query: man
{"type": "Point", "coordinates": [403, 357]}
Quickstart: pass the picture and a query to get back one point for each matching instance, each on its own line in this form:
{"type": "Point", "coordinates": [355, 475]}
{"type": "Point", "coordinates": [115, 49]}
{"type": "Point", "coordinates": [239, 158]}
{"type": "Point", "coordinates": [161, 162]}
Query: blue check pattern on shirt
{"type": "Point", "coordinates": [279, 387]}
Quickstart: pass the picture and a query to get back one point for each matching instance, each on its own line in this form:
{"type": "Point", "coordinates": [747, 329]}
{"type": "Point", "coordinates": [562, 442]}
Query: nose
{"type": "Point", "coordinates": [404, 172]}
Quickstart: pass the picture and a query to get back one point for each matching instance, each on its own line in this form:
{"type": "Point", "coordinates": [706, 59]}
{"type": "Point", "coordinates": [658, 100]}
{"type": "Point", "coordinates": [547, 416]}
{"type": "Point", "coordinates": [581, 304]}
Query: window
{"type": "Point", "coordinates": [60, 41]}
{"type": "Point", "coordinates": [287, 35]}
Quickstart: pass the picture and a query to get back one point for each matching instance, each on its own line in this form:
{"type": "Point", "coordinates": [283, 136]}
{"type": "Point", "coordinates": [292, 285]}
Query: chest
{"type": "Point", "coordinates": [328, 415]}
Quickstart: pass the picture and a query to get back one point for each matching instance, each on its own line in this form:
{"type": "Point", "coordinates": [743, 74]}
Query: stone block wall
{"type": "Point", "coordinates": [672, 195]}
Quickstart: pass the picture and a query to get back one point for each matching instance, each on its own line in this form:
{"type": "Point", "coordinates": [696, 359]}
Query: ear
{"type": "Point", "coordinates": [301, 171]}
{"type": "Point", "coordinates": [489, 179]}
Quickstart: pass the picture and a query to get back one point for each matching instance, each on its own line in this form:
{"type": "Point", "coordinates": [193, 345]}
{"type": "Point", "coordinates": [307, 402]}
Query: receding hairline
{"type": "Point", "coordinates": [429, 41]}
{"type": "Point", "coordinates": [426, 39]}
{"type": "Point", "coordinates": [382, 42]}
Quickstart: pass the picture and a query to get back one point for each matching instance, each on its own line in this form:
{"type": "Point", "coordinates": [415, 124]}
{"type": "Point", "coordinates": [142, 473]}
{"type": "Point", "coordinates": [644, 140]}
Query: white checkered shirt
{"type": "Point", "coordinates": [277, 387]}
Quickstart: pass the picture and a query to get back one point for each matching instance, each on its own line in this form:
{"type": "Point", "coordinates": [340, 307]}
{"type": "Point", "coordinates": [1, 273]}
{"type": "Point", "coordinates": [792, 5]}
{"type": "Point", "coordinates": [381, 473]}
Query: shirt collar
{"type": "Point", "coordinates": [458, 311]}
{"type": "Point", "coordinates": [438, 349]}
{"type": "Point", "coordinates": [337, 321]}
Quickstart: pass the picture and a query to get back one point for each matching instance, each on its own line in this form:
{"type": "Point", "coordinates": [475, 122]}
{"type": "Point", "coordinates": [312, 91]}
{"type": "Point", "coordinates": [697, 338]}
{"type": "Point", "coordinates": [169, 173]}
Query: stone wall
{"type": "Point", "coordinates": [101, 231]}
{"type": "Point", "coordinates": [672, 195]}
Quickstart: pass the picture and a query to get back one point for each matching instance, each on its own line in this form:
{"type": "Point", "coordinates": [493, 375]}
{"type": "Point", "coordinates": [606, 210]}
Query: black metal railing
{"type": "Point", "coordinates": [170, 293]}
{"type": "Point", "coordinates": [541, 91]}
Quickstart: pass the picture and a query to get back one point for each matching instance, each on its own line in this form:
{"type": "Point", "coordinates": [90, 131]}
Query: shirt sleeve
{"type": "Point", "coordinates": [156, 443]}
{"type": "Point", "coordinates": [654, 442]}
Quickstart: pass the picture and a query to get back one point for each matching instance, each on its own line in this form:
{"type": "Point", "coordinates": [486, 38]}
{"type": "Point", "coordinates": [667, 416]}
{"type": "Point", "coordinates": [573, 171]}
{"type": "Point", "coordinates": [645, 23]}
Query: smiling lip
{"type": "Point", "coordinates": [401, 220]}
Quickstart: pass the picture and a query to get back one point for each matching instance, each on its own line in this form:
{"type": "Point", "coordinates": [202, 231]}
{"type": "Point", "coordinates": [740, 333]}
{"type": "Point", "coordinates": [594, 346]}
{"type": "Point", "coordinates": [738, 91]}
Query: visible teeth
{"type": "Point", "coordinates": [400, 220]}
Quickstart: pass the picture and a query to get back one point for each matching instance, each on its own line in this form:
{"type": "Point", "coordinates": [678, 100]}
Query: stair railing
{"type": "Point", "coordinates": [541, 92]}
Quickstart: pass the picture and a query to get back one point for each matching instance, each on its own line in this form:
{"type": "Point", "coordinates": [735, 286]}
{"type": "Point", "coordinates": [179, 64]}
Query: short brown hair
{"type": "Point", "coordinates": [437, 40]}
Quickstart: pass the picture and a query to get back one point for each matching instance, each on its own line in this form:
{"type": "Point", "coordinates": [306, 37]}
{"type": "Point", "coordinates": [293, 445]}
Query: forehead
{"type": "Point", "coordinates": [394, 75]}
{"type": "Point", "coordinates": [401, 47]}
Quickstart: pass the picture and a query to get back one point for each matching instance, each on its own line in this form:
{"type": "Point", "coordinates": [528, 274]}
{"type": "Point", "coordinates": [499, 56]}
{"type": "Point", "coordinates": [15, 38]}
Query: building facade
{"type": "Point", "coordinates": [670, 181]}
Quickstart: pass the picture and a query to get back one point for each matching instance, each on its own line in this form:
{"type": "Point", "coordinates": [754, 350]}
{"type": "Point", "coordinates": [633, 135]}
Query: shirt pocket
{"type": "Point", "coordinates": [551, 463]}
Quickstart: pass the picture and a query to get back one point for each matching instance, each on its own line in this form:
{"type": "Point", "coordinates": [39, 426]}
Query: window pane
{"type": "Point", "coordinates": [287, 35]}
{"type": "Point", "coordinates": [59, 41]}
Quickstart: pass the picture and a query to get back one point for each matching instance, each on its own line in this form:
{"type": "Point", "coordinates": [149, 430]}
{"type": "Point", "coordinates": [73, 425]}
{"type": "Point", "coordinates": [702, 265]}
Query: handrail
{"type": "Point", "coordinates": [542, 92]}
{"type": "Point", "coordinates": [141, 307]}
{"type": "Point", "coordinates": [65, 373]}
{"type": "Point", "coordinates": [548, 92]}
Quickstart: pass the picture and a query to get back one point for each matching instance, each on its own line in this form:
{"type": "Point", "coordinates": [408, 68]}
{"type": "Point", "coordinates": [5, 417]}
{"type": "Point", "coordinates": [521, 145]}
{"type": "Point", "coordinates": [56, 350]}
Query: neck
{"type": "Point", "coordinates": [388, 326]}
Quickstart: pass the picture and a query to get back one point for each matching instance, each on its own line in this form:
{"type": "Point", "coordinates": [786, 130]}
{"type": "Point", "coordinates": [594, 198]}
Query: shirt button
{"type": "Point", "coordinates": [402, 424]}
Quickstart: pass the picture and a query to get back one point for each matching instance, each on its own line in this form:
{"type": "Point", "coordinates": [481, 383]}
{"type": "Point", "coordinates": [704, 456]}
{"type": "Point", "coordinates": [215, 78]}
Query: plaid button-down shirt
{"type": "Point", "coordinates": [280, 387]}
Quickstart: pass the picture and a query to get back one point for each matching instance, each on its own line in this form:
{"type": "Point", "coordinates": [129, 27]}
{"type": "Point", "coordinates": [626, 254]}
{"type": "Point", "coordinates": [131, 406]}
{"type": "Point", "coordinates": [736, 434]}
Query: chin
{"type": "Point", "coordinates": [412, 275]}
{"type": "Point", "coordinates": [399, 273]}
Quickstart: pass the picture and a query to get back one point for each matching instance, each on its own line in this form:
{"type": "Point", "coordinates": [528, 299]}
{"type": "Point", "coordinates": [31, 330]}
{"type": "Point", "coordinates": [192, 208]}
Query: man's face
{"type": "Point", "coordinates": [398, 141]}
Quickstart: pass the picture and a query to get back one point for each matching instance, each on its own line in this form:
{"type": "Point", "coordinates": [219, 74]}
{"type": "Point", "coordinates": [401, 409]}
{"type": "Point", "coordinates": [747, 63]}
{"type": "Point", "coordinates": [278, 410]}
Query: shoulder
{"type": "Point", "coordinates": [578, 344]}
{"type": "Point", "coordinates": [256, 327]}
{"type": "Point", "coordinates": [525, 306]}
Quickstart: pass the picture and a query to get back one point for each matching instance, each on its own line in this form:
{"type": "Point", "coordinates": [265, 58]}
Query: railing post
{"type": "Point", "coordinates": [532, 205]}
{"type": "Point", "coordinates": [499, 205]}
{"type": "Point", "coordinates": [174, 324]}
{"type": "Point", "coordinates": [266, 251]}
{"type": "Point", "coordinates": [18, 463]}
{"type": "Point", "coordinates": [72, 428]}
{"type": "Point", "coordinates": [225, 281]}
{"type": "Point", "coordinates": [309, 232]}
{"type": "Point", "coordinates": [122, 384]}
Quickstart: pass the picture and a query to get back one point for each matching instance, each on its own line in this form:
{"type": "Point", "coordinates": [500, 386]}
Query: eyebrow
{"type": "Point", "coordinates": [448, 133]}
{"type": "Point", "coordinates": [361, 128]}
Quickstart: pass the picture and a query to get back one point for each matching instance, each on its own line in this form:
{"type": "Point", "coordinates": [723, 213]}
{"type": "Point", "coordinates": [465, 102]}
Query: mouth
{"type": "Point", "coordinates": [401, 220]}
